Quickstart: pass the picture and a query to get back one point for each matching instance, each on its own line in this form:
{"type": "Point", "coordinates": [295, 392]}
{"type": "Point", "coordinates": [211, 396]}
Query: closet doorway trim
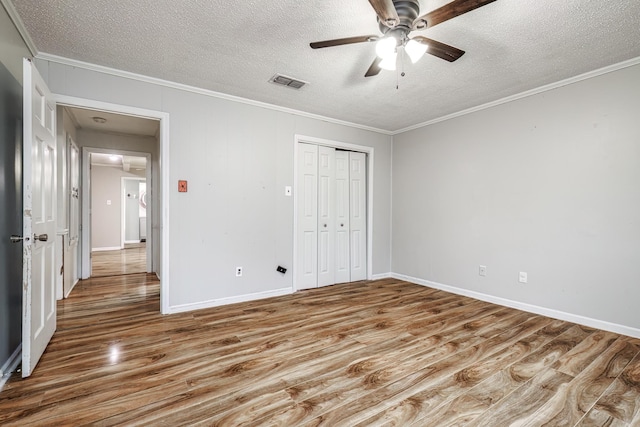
{"type": "Point", "coordinates": [369, 151]}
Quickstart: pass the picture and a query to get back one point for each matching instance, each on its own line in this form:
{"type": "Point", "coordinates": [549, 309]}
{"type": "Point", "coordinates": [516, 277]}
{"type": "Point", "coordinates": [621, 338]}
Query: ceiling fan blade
{"type": "Point", "coordinates": [346, 40]}
{"type": "Point", "coordinates": [448, 11]}
{"type": "Point", "coordinates": [386, 11]}
{"type": "Point", "coordinates": [374, 69]}
{"type": "Point", "coordinates": [441, 50]}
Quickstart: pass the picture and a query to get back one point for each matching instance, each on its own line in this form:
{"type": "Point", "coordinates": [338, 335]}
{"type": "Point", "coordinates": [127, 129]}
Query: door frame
{"type": "Point", "coordinates": [369, 151]}
{"type": "Point", "coordinates": [163, 215]}
{"type": "Point", "coordinates": [85, 209]}
{"type": "Point", "coordinates": [123, 212]}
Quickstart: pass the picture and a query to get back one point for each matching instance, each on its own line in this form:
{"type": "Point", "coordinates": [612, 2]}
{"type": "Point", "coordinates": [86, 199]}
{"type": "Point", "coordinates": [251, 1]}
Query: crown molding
{"type": "Point", "coordinates": [193, 89]}
{"type": "Point", "coordinates": [545, 88]}
{"type": "Point", "coordinates": [17, 21]}
{"type": "Point", "coordinates": [13, 14]}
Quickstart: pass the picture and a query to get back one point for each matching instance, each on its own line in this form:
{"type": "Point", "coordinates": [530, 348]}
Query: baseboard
{"type": "Point", "coordinates": [229, 300]}
{"type": "Point", "coordinates": [381, 276]}
{"type": "Point", "coordinates": [10, 366]}
{"type": "Point", "coordinates": [556, 314]}
{"type": "Point", "coordinates": [107, 248]}
{"type": "Point", "coordinates": [71, 288]}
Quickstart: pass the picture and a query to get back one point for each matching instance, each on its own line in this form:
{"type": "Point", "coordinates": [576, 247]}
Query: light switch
{"type": "Point", "coordinates": [287, 191]}
{"type": "Point", "coordinates": [108, 202]}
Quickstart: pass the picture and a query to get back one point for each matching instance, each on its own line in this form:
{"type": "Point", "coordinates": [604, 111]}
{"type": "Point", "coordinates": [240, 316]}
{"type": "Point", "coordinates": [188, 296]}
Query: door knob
{"type": "Point", "coordinates": [325, 226]}
{"type": "Point", "coordinates": [18, 239]}
{"type": "Point", "coordinates": [41, 237]}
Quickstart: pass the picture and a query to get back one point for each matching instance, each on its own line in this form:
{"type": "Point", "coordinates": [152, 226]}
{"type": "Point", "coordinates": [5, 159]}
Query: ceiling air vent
{"type": "Point", "coordinates": [287, 81]}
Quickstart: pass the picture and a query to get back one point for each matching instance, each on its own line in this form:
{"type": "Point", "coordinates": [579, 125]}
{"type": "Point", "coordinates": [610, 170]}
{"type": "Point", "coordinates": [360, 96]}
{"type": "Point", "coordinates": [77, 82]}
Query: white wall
{"type": "Point", "coordinates": [237, 159]}
{"type": "Point", "coordinates": [548, 185]}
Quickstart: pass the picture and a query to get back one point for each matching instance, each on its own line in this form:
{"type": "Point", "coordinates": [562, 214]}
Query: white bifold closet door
{"type": "Point", "coordinates": [358, 215]}
{"type": "Point", "coordinates": [331, 216]}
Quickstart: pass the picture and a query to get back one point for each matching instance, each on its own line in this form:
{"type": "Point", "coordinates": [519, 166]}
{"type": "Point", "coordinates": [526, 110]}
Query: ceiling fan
{"type": "Point", "coordinates": [398, 18]}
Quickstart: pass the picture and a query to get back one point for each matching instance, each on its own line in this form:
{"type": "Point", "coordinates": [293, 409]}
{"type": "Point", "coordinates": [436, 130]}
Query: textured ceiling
{"type": "Point", "coordinates": [126, 163]}
{"type": "Point", "coordinates": [117, 123]}
{"type": "Point", "coordinates": [235, 47]}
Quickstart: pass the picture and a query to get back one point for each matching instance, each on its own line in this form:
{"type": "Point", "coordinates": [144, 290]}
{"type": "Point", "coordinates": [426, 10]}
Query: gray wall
{"type": "Point", "coordinates": [547, 184]}
{"type": "Point", "coordinates": [106, 220]}
{"type": "Point", "coordinates": [12, 50]}
{"type": "Point", "coordinates": [237, 158]}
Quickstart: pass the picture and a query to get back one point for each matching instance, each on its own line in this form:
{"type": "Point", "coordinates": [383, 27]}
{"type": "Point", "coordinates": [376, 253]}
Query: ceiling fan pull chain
{"type": "Point", "coordinates": [400, 72]}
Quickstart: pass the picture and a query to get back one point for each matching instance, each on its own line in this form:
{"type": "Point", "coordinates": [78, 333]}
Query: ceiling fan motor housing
{"type": "Point", "coordinates": [408, 11]}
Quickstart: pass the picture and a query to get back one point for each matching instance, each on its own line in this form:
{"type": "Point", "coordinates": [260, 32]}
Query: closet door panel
{"type": "Point", "coordinates": [342, 266]}
{"type": "Point", "coordinates": [307, 256]}
{"type": "Point", "coordinates": [358, 216]}
{"type": "Point", "coordinates": [326, 216]}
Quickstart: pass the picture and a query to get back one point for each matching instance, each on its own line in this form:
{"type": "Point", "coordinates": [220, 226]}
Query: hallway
{"type": "Point", "coordinates": [131, 259]}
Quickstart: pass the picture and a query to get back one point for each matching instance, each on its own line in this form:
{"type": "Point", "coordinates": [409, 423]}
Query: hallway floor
{"type": "Point", "coordinates": [131, 259]}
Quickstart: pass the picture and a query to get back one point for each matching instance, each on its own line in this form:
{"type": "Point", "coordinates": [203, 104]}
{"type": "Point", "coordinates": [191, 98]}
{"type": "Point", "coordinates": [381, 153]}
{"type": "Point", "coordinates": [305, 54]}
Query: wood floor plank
{"type": "Point", "coordinates": [622, 399]}
{"type": "Point", "coordinates": [575, 399]}
{"type": "Point", "coordinates": [368, 373]}
{"type": "Point", "coordinates": [595, 418]}
{"type": "Point", "coordinates": [549, 354]}
{"type": "Point", "coordinates": [503, 382]}
{"type": "Point", "coordinates": [524, 401]}
{"type": "Point", "coordinates": [456, 384]}
{"type": "Point", "coordinates": [401, 381]}
{"type": "Point", "coordinates": [376, 353]}
{"type": "Point", "coordinates": [579, 357]}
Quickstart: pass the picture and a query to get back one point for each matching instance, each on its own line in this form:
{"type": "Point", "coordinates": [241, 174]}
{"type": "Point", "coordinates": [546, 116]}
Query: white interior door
{"type": "Point", "coordinates": [71, 262]}
{"type": "Point", "coordinates": [358, 215]}
{"type": "Point", "coordinates": [307, 201]}
{"type": "Point", "coordinates": [326, 213]}
{"type": "Point", "coordinates": [39, 210]}
{"type": "Point", "coordinates": [343, 272]}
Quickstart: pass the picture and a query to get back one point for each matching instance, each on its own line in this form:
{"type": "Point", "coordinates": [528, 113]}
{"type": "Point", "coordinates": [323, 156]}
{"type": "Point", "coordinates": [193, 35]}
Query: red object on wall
{"type": "Point", "coordinates": [182, 186]}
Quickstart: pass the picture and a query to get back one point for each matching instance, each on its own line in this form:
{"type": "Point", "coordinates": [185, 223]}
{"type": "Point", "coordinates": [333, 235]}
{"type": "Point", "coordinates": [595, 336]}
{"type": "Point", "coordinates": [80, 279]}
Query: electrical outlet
{"type": "Point", "coordinates": [238, 271]}
{"type": "Point", "coordinates": [522, 278]}
{"type": "Point", "coordinates": [482, 270]}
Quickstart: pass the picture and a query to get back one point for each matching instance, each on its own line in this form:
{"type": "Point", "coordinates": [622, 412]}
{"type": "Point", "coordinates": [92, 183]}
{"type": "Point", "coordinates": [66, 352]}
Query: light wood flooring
{"type": "Point", "coordinates": [131, 259]}
{"type": "Point", "coordinates": [370, 353]}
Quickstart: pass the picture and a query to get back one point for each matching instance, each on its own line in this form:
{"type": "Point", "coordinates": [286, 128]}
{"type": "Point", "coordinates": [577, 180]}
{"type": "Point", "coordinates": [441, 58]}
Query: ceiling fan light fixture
{"type": "Point", "coordinates": [386, 47]}
{"type": "Point", "coordinates": [389, 63]}
{"type": "Point", "coordinates": [415, 50]}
